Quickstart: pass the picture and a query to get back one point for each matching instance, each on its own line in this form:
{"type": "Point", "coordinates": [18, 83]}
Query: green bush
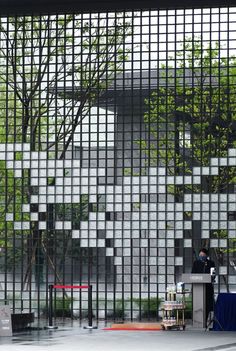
{"type": "Point", "coordinates": [149, 307]}
{"type": "Point", "coordinates": [119, 311]}
{"type": "Point", "coordinates": [61, 307]}
{"type": "Point", "coordinates": [189, 308]}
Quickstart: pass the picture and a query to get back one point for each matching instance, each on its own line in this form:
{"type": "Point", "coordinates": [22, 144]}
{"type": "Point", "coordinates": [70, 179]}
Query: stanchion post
{"type": "Point", "coordinates": [50, 309]}
{"type": "Point", "coordinates": [90, 308]}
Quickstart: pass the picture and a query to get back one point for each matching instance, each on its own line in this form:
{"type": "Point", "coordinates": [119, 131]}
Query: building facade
{"type": "Point", "coordinates": [117, 155]}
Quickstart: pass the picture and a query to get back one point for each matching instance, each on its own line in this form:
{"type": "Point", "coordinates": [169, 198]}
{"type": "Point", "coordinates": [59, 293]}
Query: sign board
{"type": "Point", "coordinates": [196, 278]}
{"type": "Point", "coordinates": [5, 321]}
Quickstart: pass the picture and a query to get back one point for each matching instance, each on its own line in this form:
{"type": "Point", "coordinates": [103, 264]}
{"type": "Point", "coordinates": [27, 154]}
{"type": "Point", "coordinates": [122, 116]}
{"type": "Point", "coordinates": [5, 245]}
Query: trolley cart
{"type": "Point", "coordinates": [173, 311]}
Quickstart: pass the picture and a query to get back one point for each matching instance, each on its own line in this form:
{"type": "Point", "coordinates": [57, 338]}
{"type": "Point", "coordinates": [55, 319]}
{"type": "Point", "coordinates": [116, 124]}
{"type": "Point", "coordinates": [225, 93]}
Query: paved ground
{"type": "Point", "coordinates": [71, 336]}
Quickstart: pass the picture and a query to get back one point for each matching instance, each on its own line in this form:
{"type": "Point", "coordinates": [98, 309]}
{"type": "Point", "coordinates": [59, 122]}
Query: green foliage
{"type": "Point", "coordinates": [36, 59]}
{"type": "Point", "coordinates": [191, 118]}
{"type": "Point", "coordinates": [149, 307]}
{"type": "Point", "coordinates": [189, 308]}
{"type": "Point", "coordinates": [117, 309]}
{"type": "Point", "coordinates": [73, 212]}
{"type": "Point", "coordinates": [61, 307]}
{"type": "Point", "coordinates": [231, 242]}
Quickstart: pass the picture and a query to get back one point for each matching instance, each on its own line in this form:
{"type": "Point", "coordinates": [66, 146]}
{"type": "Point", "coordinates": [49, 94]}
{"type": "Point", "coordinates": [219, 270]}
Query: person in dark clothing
{"type": "Point", "coordinates": [203, 265]}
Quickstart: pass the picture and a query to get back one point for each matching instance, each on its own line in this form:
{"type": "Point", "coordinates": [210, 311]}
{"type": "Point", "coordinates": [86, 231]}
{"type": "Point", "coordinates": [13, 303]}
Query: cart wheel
{"type": "Point", "coordinates": [163, 327]}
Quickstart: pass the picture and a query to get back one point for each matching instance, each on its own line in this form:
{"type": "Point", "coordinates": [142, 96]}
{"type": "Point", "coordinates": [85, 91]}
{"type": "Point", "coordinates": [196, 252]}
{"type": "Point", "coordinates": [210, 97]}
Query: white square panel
{"type": "Point", "coordinates": [126, 252]}
{"type": "Point", "coordinates": [34, 181]}
{"type": "Point", "coordinates": [25, 225]}
{"type": "Point", "coordinates": [84, 243]}
{"type": "Point", "coordinates": [196, 171]}
{"type": "Point", "coordinates": [42, 207]}
{"type": "Point", "coordinates": [50, 199]}
{"type": "Point", "coordinates": [34, 199]}
{"type": "Point", "coordinates": [92, 242]}
{"type": "Point", "coordinates": [144, 180]}
{"type": "Point", "coordinates": [223, 225]}
{"type": "Point", "coordinates": [214, 161]}
{"type": "Point", "coordinates": [118, 243]}
{"type": "Point", "coordinates": [2, 155]}
{"type": "Point", "coordinates": [196, 216]}
{"type": "Point", "coordinates": [187, 243]}
{"type": "Point", "coordinates": [117, 261]}
{"type": "Point", "coordinates": [232, 225]}
{"type": "Point", "coordinates": [152, 261]}
{"type": "Point", "coordinates": [10, 156]}
{"type": "Point", "coordinates": [9, 217]}
{"type": "Point", "coordinates": [153, 180]}
{"type": "Point", "coordinates": [25, 208]}
{"type": "Point", "coordinates": [223, 243]}
{"type": "Point", "coordinates": [214, 243]}
{"type": "Point", "coordinates": [26, 164]}
{"type": "Point", "coordinates": [214, 170]}
{"type": "Point", "coordinates": [179, 225]}
{"type": "Point", "coordinates": [161, 261]}
{"type": "Point", "coordinates": [214, 225]}
{"type": "Point", "coordinates": [205, 234]}
{"type": "Point", "coordinates": [110, 251]}
{"type": "Point", "coordinates": [223, 270]}
{"type": "Point", "coordinates": [178, 261]}
{"type": "Point", "coordinates": [196, 180]}
{"type": "Point", "coordinates": [152, 171]}
{"type": "Point", "coordinates": [18, 147]}
{"type": "Point", "coordinates": [34, 216]}
{"type": "Point", "coordinates": [84, 233]}
{"type": "Point", "coordinates": [161, 170]}
{"type": "Point", "coordinates": [26, 147]}
{"type": "Point", "coordinates": [161, 243]}
{"type": "Point", "coordinates": [59, 199]}
{"type": "Point", "coordinates": [75, 234]}
{"type": "Point", "coordinates": [187, 180]}
{"type": "Point", "coordinates": [231, 234]}
{"type": "Point", "coordinates": [18, 173]}
{"type": "Point", "coordinates": [205, 171]}
{"type": "Point", "coordinates": [187, 225]}
{"type": "Point", "coordinates": [223, 161]}
{"type": "Point", "coordinates": [42, 225]}
{"type": "Point", "coordinates": [10, 147]}
{"type": "Point", "coordinates": [169, 243]}
{"type": "Point", "coordinates": [232, 152]}
{"type": "Point", "coordinates": [10, 164]}
{"type": "Point", "coordinates": [42, 173]}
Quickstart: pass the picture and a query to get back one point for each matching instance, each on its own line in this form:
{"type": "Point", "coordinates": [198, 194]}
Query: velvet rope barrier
{"type": "Point", "coordinates": [50, 311]}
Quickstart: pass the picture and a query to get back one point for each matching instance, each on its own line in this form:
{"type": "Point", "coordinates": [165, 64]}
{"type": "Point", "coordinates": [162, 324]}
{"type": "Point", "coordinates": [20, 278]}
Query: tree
{"type": "Point", "coordinates": [191, 118]}
{"type": "Point", "coordinates": [40, 57]}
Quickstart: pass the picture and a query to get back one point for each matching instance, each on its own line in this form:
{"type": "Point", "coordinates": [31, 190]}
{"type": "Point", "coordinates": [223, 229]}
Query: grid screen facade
{"type": "Point", "coordinates": [117, 155]}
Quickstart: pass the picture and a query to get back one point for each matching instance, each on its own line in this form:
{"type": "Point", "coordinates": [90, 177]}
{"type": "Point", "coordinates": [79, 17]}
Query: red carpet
{"type": "Point", "coordinates": [135, 326]}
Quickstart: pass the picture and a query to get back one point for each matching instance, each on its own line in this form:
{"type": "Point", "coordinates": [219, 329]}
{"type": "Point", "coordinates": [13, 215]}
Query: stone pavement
{"type": "Point", "coordinates": [71, 336]}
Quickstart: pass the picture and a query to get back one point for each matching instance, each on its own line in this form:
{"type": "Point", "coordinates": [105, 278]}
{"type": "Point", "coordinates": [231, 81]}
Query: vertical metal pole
{"type": "Point", "coordinates": [90, 309]}
{"type": "Point", "coordinates": [50, 309]}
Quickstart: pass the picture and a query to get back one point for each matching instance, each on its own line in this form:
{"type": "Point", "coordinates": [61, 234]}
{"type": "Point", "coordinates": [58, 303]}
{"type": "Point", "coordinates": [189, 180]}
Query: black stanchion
{"type": "Point", "coordinates": [50, 309]}
{"type": "Point", "coordinates": [90, 304]}
{"type": "Point", "coordinates": [90, 309]}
